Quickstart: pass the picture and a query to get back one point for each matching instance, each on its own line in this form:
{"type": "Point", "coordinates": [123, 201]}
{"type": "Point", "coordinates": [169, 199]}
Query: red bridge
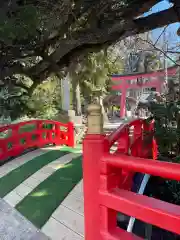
{"type": "Point", "coordinates": [16, 138]}
{"type": "Point", "coordinates": [108, 179]}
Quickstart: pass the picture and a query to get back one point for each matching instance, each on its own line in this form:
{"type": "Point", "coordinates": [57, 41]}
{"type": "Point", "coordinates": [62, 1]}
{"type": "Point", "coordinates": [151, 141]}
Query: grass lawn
{"type": "Point", "coordinates": [39, 205]}
{"type": "Point", "coordinates": [76, 149]}
{"type": "Point", "coordinates": [20, 174]}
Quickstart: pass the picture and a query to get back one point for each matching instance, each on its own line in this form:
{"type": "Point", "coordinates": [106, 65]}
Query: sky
{"type": "Point", "coordinates": [170, 30]}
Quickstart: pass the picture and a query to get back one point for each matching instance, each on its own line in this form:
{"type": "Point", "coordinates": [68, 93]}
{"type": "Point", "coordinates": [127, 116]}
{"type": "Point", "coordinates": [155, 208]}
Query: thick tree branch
{"type": "Point", "coordinates": [93, 37]}
{"type": "Point", "coordinates": [156, 20]}
{"type": "Point", "coordinates": [9, 71]}
{"type": "Point", "coordinates": [140, 25]}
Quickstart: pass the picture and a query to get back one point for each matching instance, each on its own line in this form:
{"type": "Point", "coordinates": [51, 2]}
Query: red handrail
{"type": "Point", "coordinates": [16, 138]}
{"type": "Point", "coordinates": [132, 145]}
{"type": "Point", "coordinates": [138, 124]}
{"type": "Point", "coordinates": [136, 164]}
{"type": "Point", "coordinates": [104, 196]}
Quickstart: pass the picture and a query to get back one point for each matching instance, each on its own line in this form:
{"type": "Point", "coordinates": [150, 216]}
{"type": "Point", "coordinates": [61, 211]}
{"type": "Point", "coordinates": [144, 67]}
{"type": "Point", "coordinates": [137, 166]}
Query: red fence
{"type": "Point", "coordinates": [16, 138]}
{"type": "Point", "coordinates": [104, 193]}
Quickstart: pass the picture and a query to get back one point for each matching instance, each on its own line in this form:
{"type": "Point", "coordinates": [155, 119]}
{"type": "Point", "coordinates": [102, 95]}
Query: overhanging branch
{"type": "Point", "coordinates": [155, 20]}
{"type": "Point", "coordinates": [160, 50]}
{"type": "Point", "coordinates": [94, 37]}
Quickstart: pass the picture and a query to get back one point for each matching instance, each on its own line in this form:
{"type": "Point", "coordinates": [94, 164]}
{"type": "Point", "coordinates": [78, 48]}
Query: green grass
{"type": "Point", "coordinates": [18, 175]}
{"type": "Point", "coordinates": [39, 205]}
{"type": "Point", "coordinates": [76, 149]}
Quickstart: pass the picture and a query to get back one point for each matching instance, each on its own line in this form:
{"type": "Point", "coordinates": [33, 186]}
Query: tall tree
{"type": "Point", "coordinates": [91, 77]}
{"type": "Point", "coordinates": [38, 38]}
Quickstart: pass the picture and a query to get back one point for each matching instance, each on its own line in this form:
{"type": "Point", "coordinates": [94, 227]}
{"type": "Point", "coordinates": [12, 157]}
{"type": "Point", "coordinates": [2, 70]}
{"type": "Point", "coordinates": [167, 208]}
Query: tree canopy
{"type": "Point", "coordinates": [38, 38]}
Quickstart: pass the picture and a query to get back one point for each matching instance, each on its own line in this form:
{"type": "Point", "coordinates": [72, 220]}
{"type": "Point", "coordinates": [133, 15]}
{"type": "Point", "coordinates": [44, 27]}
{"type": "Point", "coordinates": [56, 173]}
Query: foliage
{"type": "Point", "coordinates": [166, 114]}
{"type": "Point", "coordinates": [91, 76]}
{"type": "Point", "coordinates": [12, 103]}
{"type": "Point", "coordinates": [167, 131]}
{"type": "Point", "coordinates": [96, 71]}
{"type": "Point", "coordinates": [137, 53]}
{"type": "Point", "coordinates": [21, 24]}
{"type": "Point", "coordinates": [40, 38]}
{"type": "Point", "coordinates": [44, 102]}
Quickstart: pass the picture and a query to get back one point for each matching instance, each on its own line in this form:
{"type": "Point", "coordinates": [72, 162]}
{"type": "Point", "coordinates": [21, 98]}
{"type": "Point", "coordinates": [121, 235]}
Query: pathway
{"type": "Point", "coordinates": [66, 222]}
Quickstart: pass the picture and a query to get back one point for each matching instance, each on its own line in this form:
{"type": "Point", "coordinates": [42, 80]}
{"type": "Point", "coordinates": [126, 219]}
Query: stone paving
{"type": "Point", "coordinates": [17, 162]}
{"type": "Point", "coordinates": [21, 191]}
{"type": "Point", "coordinates": [15, 227]}
{"type": "Point", "coordinates": [66, 223]}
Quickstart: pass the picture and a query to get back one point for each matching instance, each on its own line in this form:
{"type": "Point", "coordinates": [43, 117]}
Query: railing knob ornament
{"type": "Point", "coordinates": [95, 119]}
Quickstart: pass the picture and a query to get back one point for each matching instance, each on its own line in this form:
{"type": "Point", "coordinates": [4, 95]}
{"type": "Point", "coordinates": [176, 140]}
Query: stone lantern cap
{"type": "Point", "coordinates": [95, 119]}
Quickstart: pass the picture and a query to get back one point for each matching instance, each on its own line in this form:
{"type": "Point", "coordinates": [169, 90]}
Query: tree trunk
{"type": "Point", "coordinates": [65, 92]}
{"type": "Point", "coordinates": [74, 94]}
{"type": "Point", "coordinates": [76, 97]}
{"type": "Point", "coordinates": [105, 117]}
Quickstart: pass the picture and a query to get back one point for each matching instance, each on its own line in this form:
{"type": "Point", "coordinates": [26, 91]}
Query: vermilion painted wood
{"type": "Point", "coordinates": [103, 186]}
{"type": "Point", "coordinates": [159, 73]}
{"type": "Point", "coordinates": [116, 135]}
{"type": "Point", "coordinates": [151, 84]}
{"type": "Point", "coordinates": [149, 210]}
{"type": "Point", "coordinates": [94, 147]}
{"type": "Point", "coordinates": [155, 82]}
{"type": "Point", "coordinates": [60, 134]}
{"type": "Point", "coordinates": [125, 145]}
{"type": "Point", "coordinates": [143, 165]}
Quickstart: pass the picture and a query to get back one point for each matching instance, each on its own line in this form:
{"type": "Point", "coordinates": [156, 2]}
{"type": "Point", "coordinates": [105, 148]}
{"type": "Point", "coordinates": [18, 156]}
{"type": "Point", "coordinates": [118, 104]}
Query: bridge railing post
{"type": "Point", "coordinates": [94, 145]}
{"type": "Point", "coordinates": [71, 138]}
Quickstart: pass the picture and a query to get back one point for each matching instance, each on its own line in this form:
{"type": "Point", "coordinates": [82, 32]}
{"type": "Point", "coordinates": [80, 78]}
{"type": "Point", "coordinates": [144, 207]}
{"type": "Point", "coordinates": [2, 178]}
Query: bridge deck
{"type": "Point", "coordinates": [66, 222]}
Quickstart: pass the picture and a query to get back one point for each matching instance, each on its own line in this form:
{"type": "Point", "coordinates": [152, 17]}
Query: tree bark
{"type": "Point", "coordinates": [90, 38]}
{"type": "Point", "coordinates": [66, 93]}
{"type": "Point", "coordinates": [105, 117]}
{"type": "Point", "coordinates": [76, 97]}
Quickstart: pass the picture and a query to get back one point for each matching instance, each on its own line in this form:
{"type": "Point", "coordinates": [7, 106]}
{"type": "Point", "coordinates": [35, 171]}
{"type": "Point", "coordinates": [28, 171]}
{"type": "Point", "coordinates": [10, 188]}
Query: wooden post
{"type": "Point", "coordinates": [94, 146]}
{"type": "Point", "coordinates": [123, 103]}
{"type": "Point", "coordinates": [71, 140]}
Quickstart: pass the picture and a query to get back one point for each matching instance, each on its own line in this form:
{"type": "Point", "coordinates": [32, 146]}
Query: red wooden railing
{"type": "Point", "coordinates": [16, 138]}
{"type": "Point", "coordinates": [104, 193]}
{"type": "Point", "coordinates": [130, 138]}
